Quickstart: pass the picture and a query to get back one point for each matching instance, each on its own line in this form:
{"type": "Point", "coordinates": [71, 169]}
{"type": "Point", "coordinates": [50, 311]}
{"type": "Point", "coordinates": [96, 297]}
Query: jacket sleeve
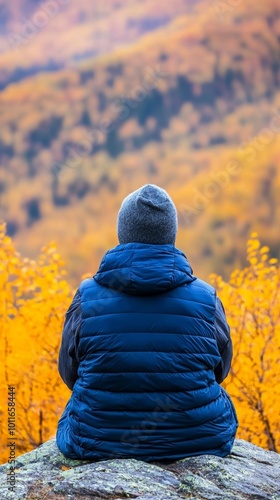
{"type": "Point", "coordinates": [67, 360]}
{"type": "Point", "coordinates": [224, 342]}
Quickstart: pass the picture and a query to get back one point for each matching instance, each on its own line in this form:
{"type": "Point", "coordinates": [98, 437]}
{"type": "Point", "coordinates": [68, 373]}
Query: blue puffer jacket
{"type": "Point", "coordinates": [146, 356]}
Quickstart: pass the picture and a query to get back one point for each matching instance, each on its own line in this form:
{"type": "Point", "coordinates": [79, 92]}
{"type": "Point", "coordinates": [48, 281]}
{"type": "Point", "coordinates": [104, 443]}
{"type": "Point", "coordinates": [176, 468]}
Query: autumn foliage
{"type": "Point", "coordinates": [251, 300]}
{"type": "Point", "coordinates": [34, 296]}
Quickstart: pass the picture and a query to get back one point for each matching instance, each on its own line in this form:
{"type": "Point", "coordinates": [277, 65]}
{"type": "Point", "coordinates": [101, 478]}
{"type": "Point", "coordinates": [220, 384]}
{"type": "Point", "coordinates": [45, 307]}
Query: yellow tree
{"type": "Point", "coordinates": [34, 297]}
{"type": "Point", "coordinates": [251, 299]}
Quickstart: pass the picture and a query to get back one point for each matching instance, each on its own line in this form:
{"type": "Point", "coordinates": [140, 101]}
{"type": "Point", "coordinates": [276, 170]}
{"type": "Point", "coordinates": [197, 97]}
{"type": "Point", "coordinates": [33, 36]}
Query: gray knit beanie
{"type": "Point", "coordinates": [147, 215]}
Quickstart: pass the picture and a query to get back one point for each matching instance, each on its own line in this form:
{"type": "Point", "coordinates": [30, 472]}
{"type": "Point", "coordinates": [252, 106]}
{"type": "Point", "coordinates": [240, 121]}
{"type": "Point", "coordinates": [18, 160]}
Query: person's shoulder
{"type": "Point", "coordinates": [86, 283]}
{"type": "Point", "coordinates": [205, 287]}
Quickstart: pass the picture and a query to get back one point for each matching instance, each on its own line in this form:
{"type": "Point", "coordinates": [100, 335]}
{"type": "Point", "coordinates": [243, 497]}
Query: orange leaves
{"type": "Point", "coordinates": [251, 300]}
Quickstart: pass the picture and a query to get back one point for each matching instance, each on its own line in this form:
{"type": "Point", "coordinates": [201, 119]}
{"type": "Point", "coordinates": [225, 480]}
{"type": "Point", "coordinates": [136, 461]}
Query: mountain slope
{"type": "Point", "coordinates": [29, 28]}
{"type": "Point", "coordinates": [176, 108]}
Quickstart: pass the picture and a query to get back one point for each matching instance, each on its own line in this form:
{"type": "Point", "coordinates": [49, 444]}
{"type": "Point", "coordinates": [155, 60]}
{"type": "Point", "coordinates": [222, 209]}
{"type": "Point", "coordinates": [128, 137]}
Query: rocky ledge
{"type": "Point", "coordinates": [249, 472]}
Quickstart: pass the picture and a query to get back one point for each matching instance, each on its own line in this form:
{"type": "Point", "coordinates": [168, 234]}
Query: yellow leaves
{"type": "Point", "coordinates": [56, 256]}
{"type": "Point", "coordinates": [33, 299]}
{"type": "Point", "coordinates": [253, 260]}
{"type": "Point", "coordinates": [251, 301]}
{"type": "Point", "coordinates": [14, 261]}
{"type": "Point", "coordinates": [6, 240]}
{"type": "Point", "coordinates": [257, 256]}
{"type": "Point", "coordinates": [253, 245]}
{"type": "Point", "coordinates": [264, 250]}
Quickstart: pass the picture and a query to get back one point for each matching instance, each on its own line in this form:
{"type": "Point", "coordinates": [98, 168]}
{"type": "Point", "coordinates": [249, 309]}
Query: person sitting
{"type": "Point", "coordinates": [145, 347]}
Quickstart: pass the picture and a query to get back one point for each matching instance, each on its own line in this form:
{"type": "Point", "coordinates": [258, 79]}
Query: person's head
{"type": "Point", "coordinates": [147, 215]}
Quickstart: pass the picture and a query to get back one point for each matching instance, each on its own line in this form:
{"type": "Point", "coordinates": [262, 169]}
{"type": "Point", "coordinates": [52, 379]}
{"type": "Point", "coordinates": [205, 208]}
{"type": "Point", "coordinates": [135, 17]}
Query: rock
{"type": "Point", "coordinates": [249, 472]}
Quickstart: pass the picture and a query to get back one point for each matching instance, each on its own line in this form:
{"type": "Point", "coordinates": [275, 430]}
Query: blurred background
{"type": "Point", "coordinates": [99, 98]}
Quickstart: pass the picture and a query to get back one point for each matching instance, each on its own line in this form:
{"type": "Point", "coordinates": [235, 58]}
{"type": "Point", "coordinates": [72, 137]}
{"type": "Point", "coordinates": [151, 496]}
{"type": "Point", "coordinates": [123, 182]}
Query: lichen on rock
{"type": "Point", "coordinates": [249, 472]}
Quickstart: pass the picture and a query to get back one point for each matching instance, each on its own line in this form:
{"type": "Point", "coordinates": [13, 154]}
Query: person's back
{"type": "Point", "coordinates": [144, 349]}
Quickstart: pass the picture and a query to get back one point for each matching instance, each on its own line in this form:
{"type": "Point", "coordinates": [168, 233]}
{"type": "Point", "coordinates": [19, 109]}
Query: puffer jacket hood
{"type": "Point", "coordinates": [124, 269]}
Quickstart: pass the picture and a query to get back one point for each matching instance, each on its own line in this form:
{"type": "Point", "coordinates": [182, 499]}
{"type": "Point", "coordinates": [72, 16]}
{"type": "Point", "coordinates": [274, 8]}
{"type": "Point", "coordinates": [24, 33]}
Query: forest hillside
{"type": "Point", "coordinates": [187, 98]}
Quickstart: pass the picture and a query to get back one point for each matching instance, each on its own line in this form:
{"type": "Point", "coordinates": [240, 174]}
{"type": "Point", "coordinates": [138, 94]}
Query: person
{"type": "Point", "coordinates": [145, 347]}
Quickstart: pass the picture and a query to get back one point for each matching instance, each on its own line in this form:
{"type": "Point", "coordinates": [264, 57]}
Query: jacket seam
{"type": "Point", "coordinates": [183, 299]}
{"type": "Point", "coordinates": [142, 372]}
{"type": "Point", "coordinates": [152, 313]}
